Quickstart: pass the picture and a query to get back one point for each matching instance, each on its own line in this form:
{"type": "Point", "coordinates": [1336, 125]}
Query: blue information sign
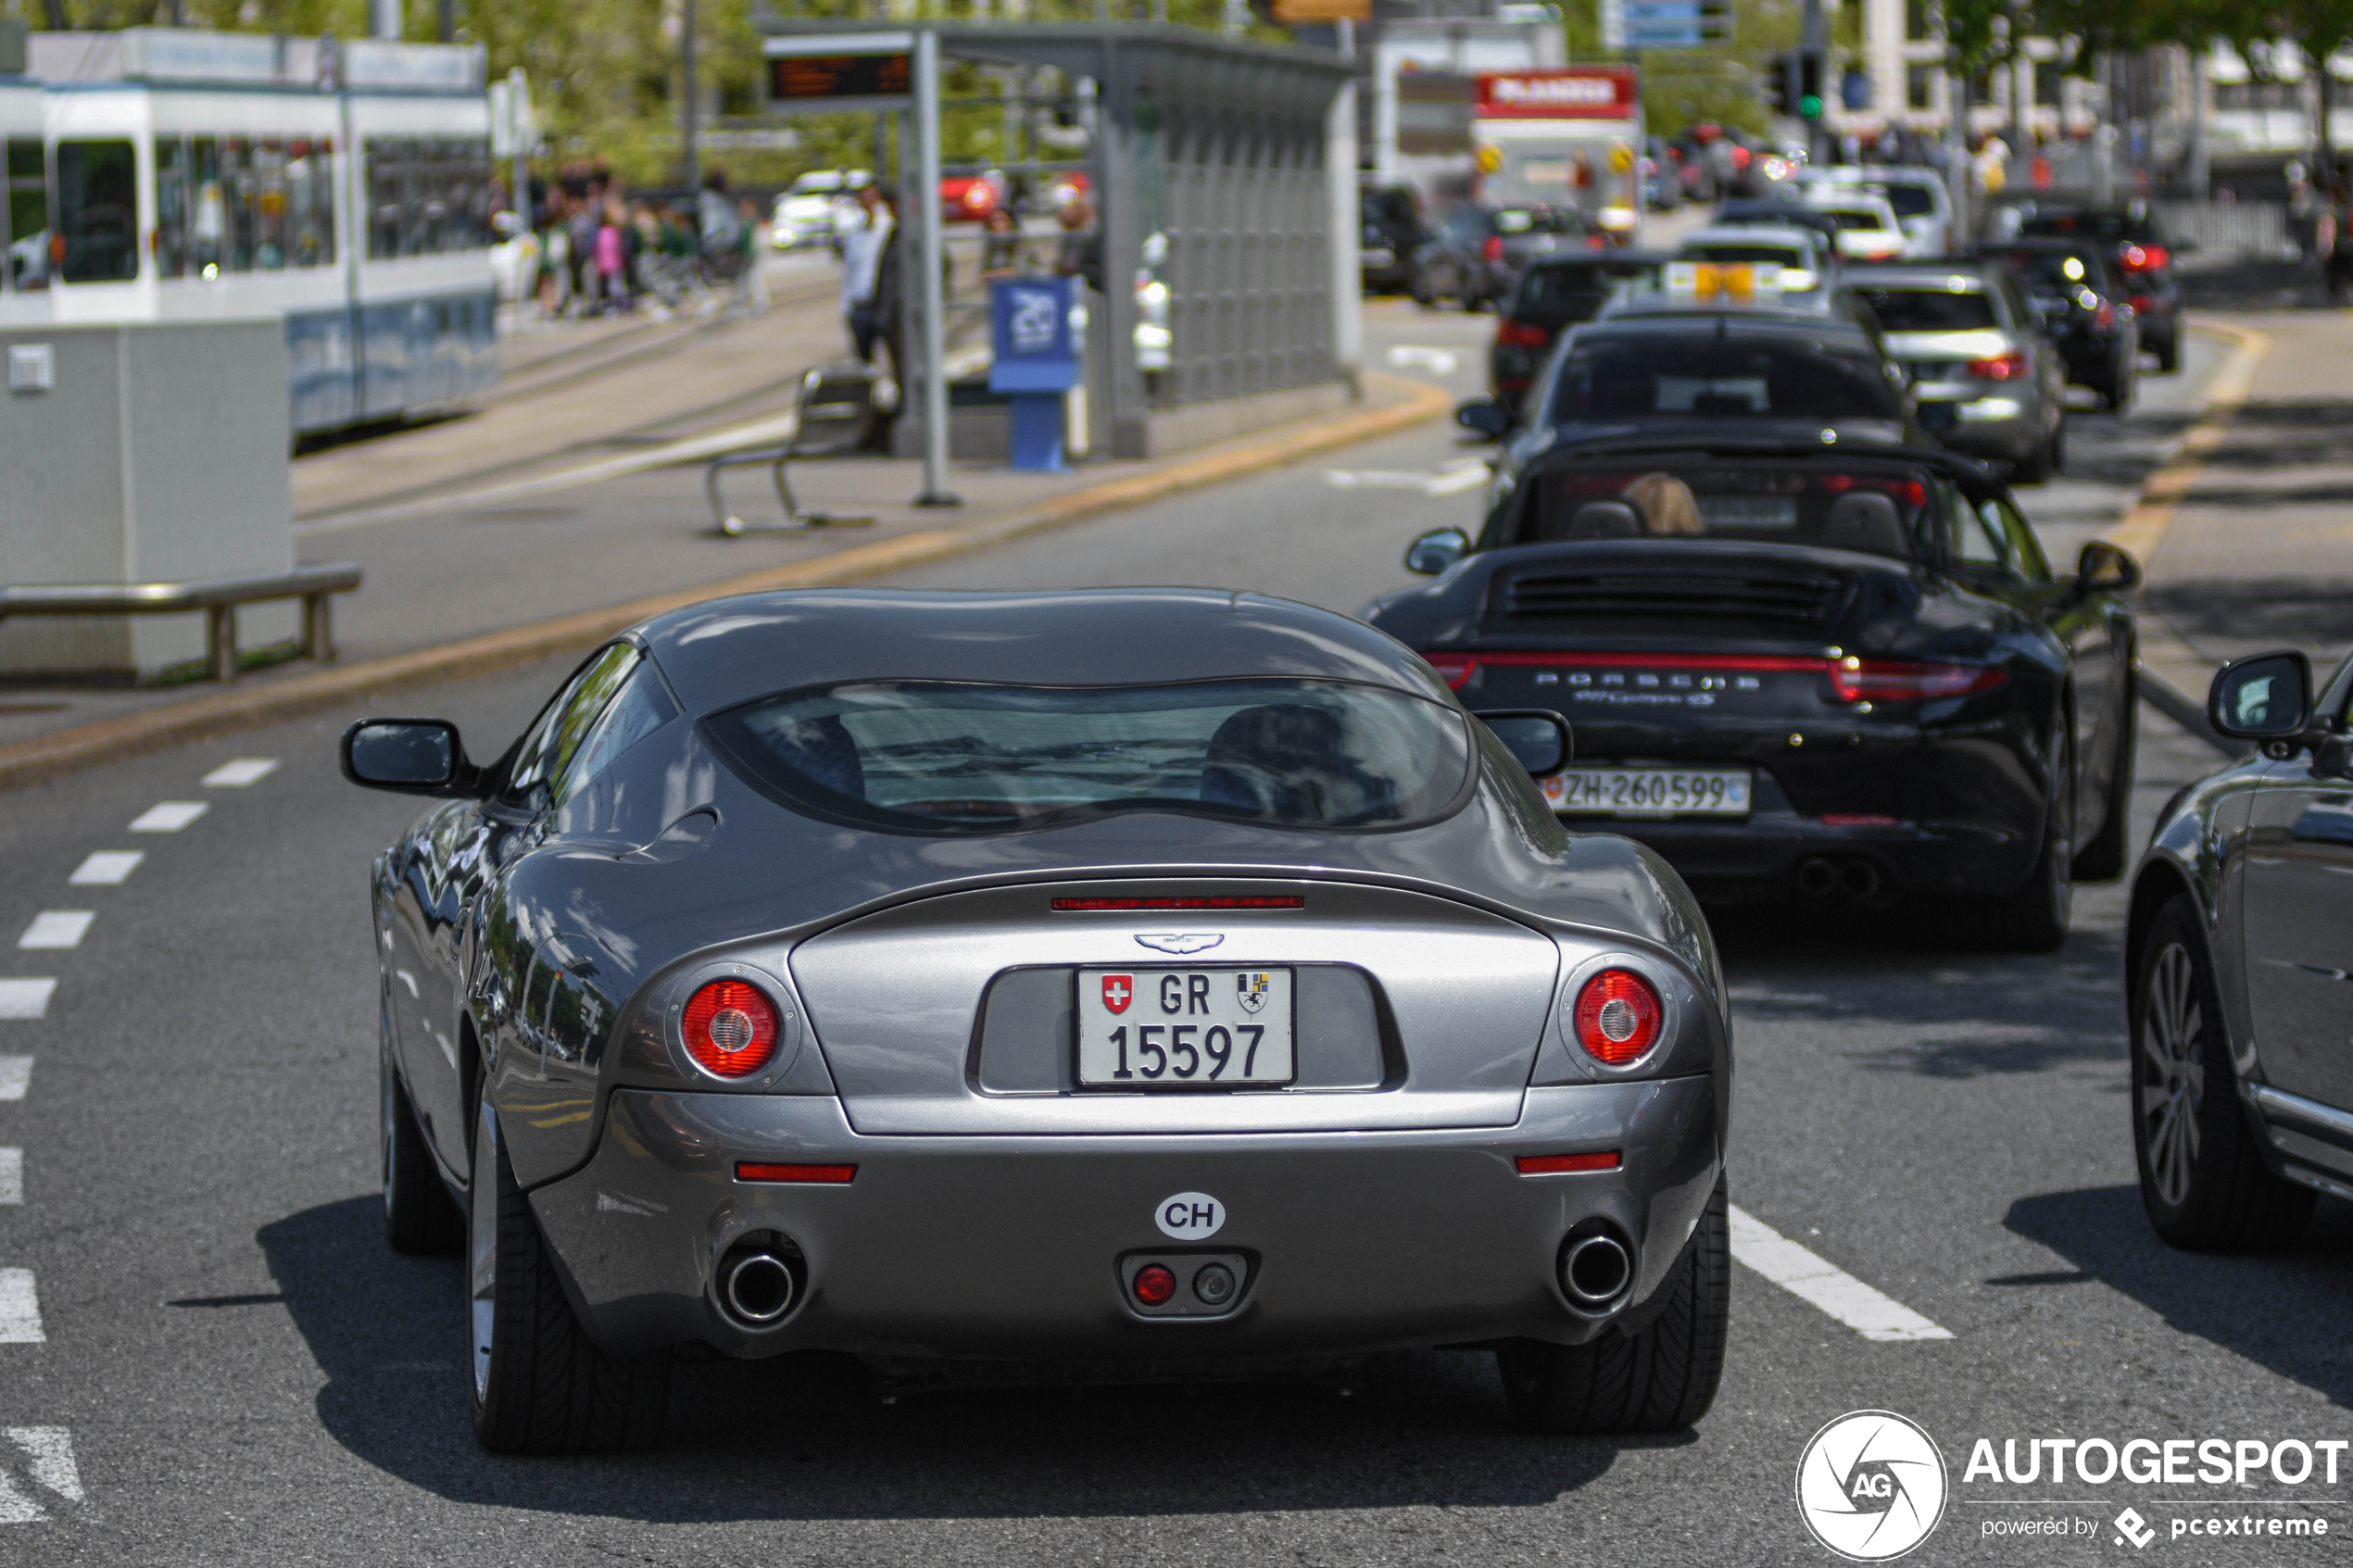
{"type": "Point", "coordinates": [1029, 333]}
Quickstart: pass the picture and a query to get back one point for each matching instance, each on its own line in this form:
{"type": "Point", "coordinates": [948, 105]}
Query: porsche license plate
{"type": "Point", "coordinates": [1184, 1028]}
{"type": "Point", "coordinates": [1649, 792]}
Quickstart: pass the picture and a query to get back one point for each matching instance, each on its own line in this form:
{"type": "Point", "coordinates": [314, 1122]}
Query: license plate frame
{"type": "Point", "coordinates": [1628, 789]}
{"type": "Point", "coordinates": [1215, 1003]}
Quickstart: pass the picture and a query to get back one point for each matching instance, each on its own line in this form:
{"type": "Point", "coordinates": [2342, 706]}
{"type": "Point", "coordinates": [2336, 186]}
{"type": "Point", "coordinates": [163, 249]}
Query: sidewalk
{"type": "Point", "coordinates": [483, 579]}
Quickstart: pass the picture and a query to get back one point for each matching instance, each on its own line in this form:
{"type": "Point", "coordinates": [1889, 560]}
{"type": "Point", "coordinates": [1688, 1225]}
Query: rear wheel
{"type": "Point", "coordinates": [540, 1385]}
{"type": "Point", "coordinates": [2168, 352]}
{"type": "Point", "coordinates": [2117, 393]}
{"type": "Point", "coordinates": [2203, 1180]}
{"type": "Point", "coordinates": [419, 1215]}
{"type": "Point", "coordinates": [1662, 1377]}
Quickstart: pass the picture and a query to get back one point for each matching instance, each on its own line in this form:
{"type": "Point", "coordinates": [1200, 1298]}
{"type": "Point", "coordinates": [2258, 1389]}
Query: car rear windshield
{"type": "Point", "coordinates": [1911, 201]}
{"type": "Point", "coordinates": [1878, 509]}
{"type": "Point", "coordinates": [2054, 271]}
{"type": "Point", "coordinates": [1716, 378]}
{"type": "Point", "coordinates": [1930, 310]}
{"type": "Point", "coordinates": [1534, 220]}
{"type": "Point", "coordinates": [1851, 217]}
{"type": "Point", "coordinates": [1575, 285]}
{"type": "Point", "coordinates": [940, 757]}
{"type": "Point", "coordinates": [1734, 250]}
{"type": "Point", "coordinates": [2102, 228]}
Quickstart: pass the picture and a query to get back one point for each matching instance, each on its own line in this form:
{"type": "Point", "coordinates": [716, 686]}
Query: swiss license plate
{"type": "Point", "coordinates": [1184, 1028]}
{"type": "Point", "coordinates": [1649, 792]}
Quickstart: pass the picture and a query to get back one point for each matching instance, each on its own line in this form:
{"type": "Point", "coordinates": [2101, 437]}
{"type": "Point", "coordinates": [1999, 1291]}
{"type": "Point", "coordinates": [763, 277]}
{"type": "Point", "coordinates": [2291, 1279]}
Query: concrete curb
{"type": "Point", "coordinates": [87, 745]}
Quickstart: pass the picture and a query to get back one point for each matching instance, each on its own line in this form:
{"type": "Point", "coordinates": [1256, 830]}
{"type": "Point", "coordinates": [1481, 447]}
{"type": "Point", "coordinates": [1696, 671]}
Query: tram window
{"type": "Point", "coordinates": [310, 203]}
{"type": "Point", "coordinates": [97, 211]}
{"type": "Point", "coordinates": [171, 207]}
{"type": "Point", "coordinates": [427, 195]}
{"type": "Point", "coordinates": [27, 236]}
{"type": "Point", "coordinates": [238, 204]}
{"type": "Point", "coordinates": [208, 209]}
{"type": "Point", "coordinates": [267, 196]}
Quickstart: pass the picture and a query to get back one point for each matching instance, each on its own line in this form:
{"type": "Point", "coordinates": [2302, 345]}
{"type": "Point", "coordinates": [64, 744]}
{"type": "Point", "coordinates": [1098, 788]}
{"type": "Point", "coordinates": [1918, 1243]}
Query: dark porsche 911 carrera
{"type": "Point", "coordinates": [1848, 673]}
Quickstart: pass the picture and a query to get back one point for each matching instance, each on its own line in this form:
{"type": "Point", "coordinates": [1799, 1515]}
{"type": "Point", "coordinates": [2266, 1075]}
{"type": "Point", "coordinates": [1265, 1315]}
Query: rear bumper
{"type": "Point", "coordinates": [1728, 862]}
{"type": "Point", "coordinates": [1008, 1249]}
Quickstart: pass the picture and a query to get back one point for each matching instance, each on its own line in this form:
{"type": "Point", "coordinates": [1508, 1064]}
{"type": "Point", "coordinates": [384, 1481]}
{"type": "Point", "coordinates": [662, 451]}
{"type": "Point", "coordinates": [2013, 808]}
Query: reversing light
{"type": "Point", "coordinates": [1617, 1017]}
{"type": "Point", "coordinates": [807, 1176]}
{"type": "Point", "coordinates": [1155, 1285]}
{"type": "Point", "coordinates": [1883, 679]}
{"type": "Point", "coordinates": [1561, 1164]}
{"type": "Point", "coordinates": [730, 1028]}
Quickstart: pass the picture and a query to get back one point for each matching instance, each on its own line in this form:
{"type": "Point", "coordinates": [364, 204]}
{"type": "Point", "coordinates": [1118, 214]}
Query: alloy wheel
{"type": "Point", "coordinates": [2173, 1074]}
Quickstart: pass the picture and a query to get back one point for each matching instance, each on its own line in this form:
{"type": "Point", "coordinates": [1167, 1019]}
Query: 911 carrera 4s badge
{"type": "Point", "coordinates": [1250, 989]}
{"type": "Point", "coordinates": [1118, 991]}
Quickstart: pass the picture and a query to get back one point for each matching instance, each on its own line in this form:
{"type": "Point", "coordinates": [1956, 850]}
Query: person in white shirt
{"type": "Point", "coordinates": [862, 255]}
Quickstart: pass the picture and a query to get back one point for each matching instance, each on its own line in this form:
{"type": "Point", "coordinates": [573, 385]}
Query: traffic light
{"type": "Point", "coordinates": [1777, 74]}
{"type": "Point", "coordinates": [1809, 86]}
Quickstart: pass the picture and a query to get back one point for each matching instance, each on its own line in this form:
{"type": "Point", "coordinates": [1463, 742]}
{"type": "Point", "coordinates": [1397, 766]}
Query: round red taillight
{"type": "Point", "coordinates": [1155, 1285]}
{"type": "Point", "coordinates": [1617, 1017]}
{"type": "Point", "coordinates": [730, 1028]}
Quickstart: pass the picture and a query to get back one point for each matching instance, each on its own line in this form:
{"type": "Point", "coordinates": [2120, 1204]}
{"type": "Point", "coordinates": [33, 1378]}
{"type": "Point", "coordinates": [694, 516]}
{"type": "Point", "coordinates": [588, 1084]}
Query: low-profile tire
{"type": "Point", "coordinates": [2169, 353]}
{"type": "Point", "coordinates": [2203, 1180]}
{"type": "Point", "coordinates": [1417, 288]}
{"type": "Point", "coordinates": [2109, 855]}
{"type": "Point", "coordinates": [540, 1385]}
{"type": "Point", "coordinates": [420, 1217]}
{"type": "Point", "coordinates": [1662, 1377]}
{"type": "Point", "coordinates": [2117, 393]}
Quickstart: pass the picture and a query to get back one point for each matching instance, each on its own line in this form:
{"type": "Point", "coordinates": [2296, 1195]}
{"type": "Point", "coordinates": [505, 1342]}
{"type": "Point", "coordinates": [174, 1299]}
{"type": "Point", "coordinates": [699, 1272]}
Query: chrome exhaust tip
{"type": "Point", "coordinates": [1860, 879]}
{"type": "Point", "coordinates": [756, 1287]}
{"type": "Point", "coordinates": [1817, 878]}
{"type": "Point", "coordinates": [1597, 1269]}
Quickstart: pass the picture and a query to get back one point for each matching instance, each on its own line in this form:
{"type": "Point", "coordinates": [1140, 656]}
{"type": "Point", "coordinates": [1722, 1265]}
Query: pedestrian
{"type": "Point", "coordinates": [1001, 246]}
{"type": "Point", "coordinates": [862, 253]}
{"type": "Point", "coordinates": [889, 329]}
{"type": "Point", "coordinates": [612, 261]}
{"type": "Point", "coordinates": [1081, 255]}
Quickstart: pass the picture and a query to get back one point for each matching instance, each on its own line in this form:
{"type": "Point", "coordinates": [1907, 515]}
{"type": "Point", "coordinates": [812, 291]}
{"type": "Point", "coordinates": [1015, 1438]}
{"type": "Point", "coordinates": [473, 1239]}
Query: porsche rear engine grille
{"type": "Point", "coordinates": [1792, 600]}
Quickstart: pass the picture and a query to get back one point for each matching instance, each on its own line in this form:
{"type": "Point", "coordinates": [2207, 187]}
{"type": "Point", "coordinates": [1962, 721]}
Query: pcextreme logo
{"type": "Point", "coordinates": [1872, 1486]}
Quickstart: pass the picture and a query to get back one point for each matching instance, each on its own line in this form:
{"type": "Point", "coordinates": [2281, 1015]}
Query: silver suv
{"type": "Point", "coordinates": [1986, 381]}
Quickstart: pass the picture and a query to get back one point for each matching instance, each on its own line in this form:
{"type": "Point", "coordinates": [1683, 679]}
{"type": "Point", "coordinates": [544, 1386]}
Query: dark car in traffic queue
{"type": "Point", "coordinates": [1477, 253]}
{"type": "Point", "coordinates": [1557, 293]}
{"type": "Point", "coordinates": [2085, 309]}
{"type": "Point", "coordinates": [1843, 671]}
{"type": "Point", "coordinates": [2238, 945]}
{"type": "Point", "coordinates": [1985, 379]}
{"type": "Point", "coordinates": [2145, 254]}
{"type": "Point", "coordinates": [1090, 986]}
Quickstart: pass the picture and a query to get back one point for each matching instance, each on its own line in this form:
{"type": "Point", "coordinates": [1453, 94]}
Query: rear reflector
{"type": "Point", "coordinates": [1855, 819]}
{"type": "Point", "coordinates": [1099, 906]}
{"type": "Point", "coordinates": [818, 1175]}
{"type": "Point", "coordinates": [1555, 1164]}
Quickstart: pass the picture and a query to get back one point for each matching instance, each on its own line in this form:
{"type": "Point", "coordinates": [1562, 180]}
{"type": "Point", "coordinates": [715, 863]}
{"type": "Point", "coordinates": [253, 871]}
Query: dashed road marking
{"type": "Point", "coordinates": [20, 1309]}
{"type": "Point", "coordinates": [25, 998]}
{"type": "Point", "coordinates": [15, 1076]}
{"type": "Point", "coordinates": [1438, 361]}
{"type": "Point", "coordinates": [57, 928]}
{"type": "Point", "coordinates": [48, 1465]}
{"type": "Point", "coordinates": [107, 868]}
{"type": "Point", "coordinates": [242, 771]}
{"type": "Point", "coordinates": [1799, 1271]}
{"type": "Point", "coordinates": [169, 816]}
{"type": "Point", "coordinates": [11, 1175]}
{"type": "Point", "coordinates": [1450, 478]}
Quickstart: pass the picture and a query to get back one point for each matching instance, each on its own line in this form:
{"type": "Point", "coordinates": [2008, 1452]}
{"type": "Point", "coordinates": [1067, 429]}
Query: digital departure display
{"type": "Point", "coordinates": [801, 79]}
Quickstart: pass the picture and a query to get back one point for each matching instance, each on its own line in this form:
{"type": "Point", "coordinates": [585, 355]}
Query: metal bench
{"type": "Point", "coordinates": [218, 598]}
{"type": "Point", "coordinates": [833, 415]}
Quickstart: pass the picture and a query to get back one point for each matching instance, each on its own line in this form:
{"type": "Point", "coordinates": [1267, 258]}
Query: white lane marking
{"type": "Point", "coordinates": [1450, 478]}
{"type": "Point", "coordinates": [107, 868]}
{"type": "Point", "coordinates": [57, 928]}
{"type": "Point", "coordinates": [25, 998]}
{"type": "Point", "coordinates": [48, 1455]}
{"type": "Point", "coordinates": [1832, 1290]}
{"type": "Point", "coordinates": [1405, 356]}
{"type": "Point", "coordinates": [169, 816]}
{"type": "Point", "coordinates": [242, 771]}
{"type": "Point", "coordinates": [20, 1309]}
{"type": "Point", "coordinates": [11, 1175]}
{"type": "Point", "coordinates": [15, 1076]}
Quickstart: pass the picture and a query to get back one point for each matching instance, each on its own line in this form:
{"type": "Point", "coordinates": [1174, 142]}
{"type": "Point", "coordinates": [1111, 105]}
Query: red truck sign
{"type": "Point", "coordinates": [1570, 93]}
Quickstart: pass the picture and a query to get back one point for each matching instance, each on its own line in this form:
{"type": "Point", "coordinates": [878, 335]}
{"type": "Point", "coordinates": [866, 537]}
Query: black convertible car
{"type": "Point", "coordinates": [2238, 948]}
{"type": "Point", "coordinates": [1845, 672]}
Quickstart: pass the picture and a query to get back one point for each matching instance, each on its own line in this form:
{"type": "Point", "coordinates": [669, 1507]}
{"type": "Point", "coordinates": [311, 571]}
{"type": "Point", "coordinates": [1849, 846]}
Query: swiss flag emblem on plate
{"type": "Point", "coordinates": [1118, 991]}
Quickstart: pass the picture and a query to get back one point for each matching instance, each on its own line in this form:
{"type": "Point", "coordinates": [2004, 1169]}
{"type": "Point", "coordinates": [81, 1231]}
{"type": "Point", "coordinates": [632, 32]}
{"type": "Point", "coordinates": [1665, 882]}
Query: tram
{"type": "Point", "coordinates": [160, 174]}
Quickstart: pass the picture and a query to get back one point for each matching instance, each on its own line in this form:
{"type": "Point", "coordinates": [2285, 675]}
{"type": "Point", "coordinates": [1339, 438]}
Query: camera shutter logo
{"type": "Point", "coordinates": [1872, 1486]}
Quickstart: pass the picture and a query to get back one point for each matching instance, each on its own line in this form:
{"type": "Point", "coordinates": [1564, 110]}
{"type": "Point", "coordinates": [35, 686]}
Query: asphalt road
{"type": "Point", "coordinates": [233, 1369]}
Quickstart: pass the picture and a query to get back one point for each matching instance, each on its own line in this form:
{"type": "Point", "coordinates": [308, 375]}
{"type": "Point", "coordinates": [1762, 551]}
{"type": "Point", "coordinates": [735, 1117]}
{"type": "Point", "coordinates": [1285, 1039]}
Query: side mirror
{"type": "Point", "coordinates": [2266, 697]}
{"type": "Point", "coordinates": [1484, 415]}
{"type": "Point", "coordinates": [2105, 568]}
{"type": "Point", "coordinates": [1437, 550]}
{"type": "Point", "coordinates": [408, 756]}
{"type": "Point", "coordinates": [1540, 742]}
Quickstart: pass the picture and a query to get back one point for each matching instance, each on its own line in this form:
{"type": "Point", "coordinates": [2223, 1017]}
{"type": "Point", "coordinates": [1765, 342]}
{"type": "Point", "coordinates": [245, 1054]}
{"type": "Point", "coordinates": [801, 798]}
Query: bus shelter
{"type": "Point", "coordinates": [1222, 172]}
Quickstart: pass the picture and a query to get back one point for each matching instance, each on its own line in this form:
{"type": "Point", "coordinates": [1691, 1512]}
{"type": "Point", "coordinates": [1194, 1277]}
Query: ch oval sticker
{"type": "Point", "coordinates": [1189, 1216]}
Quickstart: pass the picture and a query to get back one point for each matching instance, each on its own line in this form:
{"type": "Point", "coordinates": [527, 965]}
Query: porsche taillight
{"type": "Point", "coordinates": [730, 1028]}
{"type": "Point", "coordinates": [1457, 668]}
{"type": "Point", "coordinates": [1617, 1017]}
{"type": "Point", "coordinates": [1887, 680]}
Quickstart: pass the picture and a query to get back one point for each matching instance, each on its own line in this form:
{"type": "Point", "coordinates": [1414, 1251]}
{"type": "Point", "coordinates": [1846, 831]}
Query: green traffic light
{"type": "Point", "coordinates": [1809, 106]}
